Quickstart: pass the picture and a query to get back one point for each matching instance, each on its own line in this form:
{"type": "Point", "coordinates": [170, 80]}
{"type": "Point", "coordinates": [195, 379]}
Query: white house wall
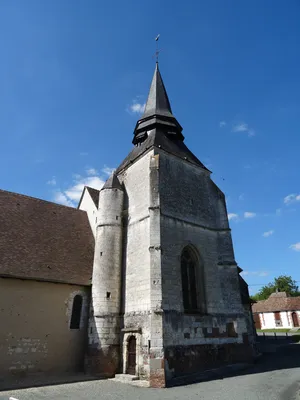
{"type": "Point", "coordinates": [87, 204]}
{"type": "Point", "coordinates": [268, 320]}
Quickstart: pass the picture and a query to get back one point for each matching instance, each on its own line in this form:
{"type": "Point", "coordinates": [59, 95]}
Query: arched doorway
{"type": "Point", "coordinates": [131, 356]}
{"type": "Point", "coordinates": [295, 319]}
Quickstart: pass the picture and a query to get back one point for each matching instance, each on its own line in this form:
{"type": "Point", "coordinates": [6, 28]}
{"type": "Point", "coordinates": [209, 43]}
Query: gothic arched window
{"type": "Point", "coordinates": [192, 282]}
{"type": "Point", "coordinates": [76, 312]}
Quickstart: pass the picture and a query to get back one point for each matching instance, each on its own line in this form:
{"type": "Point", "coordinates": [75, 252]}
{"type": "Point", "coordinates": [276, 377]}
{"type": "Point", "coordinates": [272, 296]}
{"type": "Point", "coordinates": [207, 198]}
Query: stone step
{"type": "Point", "coordinates": [125, 378]}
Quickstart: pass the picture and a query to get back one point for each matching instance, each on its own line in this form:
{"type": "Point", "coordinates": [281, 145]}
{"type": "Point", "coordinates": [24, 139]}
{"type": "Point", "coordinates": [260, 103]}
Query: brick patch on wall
{"type": "Point", "coordinates": [184, 360]}
{"type": "Point", "coordinates": [157, 373]}
{"type": "Point", "coordinates": [103, 363]}
{"type": "Point", "coordinates": [230, 332]}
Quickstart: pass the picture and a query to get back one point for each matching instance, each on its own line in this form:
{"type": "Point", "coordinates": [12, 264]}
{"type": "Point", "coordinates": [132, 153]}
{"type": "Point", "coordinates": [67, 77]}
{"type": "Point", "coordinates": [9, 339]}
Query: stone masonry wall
{"type": "Point", "coordinates": [193, 217]}
{"type": "Point", "coordinates": [136, 262]}
{"type": "Point", "coordinates": [193, 213]}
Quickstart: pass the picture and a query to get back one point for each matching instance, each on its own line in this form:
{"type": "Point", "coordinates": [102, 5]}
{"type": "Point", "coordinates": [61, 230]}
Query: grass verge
{"type": "Point", "coordinates": [274, 330]}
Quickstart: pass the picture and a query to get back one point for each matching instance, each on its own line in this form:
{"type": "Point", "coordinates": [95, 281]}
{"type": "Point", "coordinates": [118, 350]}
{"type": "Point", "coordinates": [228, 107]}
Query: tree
{"type": "Point", "coordinates": [283, 283]}
{"type": "Point", "coordinates": [286, 284]}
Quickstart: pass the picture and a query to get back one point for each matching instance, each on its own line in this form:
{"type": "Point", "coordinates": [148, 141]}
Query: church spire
{"type": "Point", "coordinates": [158, 102]}
{"type": "Point", "coordinates": [158, 112]}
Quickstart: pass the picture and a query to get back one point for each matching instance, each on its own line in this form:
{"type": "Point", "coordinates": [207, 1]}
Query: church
{"type": "Point", "coordinates": [139, 280]}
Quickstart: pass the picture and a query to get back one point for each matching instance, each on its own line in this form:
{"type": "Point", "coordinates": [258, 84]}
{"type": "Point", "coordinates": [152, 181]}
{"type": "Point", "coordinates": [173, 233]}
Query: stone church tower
{"type": "Point", "coordinates": [166, 292]}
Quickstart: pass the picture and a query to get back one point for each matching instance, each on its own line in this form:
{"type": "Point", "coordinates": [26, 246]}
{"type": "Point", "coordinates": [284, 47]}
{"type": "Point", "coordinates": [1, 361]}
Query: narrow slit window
{"type": "Point", "coordinates": [76, 312]}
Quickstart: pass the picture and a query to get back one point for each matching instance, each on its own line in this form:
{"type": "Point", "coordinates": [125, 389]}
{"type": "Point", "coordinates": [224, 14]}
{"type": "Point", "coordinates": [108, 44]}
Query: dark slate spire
{"type": "Point", "coordinates": [112, 182]}
{"type": "Point", "coordinates": [157, 113]}
{"type": "Point", "coordinates": [158, 102]}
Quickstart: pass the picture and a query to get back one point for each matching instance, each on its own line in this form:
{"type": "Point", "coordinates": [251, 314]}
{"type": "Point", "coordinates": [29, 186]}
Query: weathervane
{"type": "Point", "coordinates": [157, 51]}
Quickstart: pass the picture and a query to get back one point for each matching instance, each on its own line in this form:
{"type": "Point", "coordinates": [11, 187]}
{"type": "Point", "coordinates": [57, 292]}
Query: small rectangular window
{"type": "Point", "coordinates": [108, 295]}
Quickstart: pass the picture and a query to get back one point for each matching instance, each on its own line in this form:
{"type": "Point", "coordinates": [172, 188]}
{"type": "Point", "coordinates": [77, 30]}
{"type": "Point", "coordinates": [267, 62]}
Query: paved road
{"type": "Point", "coordinates": [276, 377]}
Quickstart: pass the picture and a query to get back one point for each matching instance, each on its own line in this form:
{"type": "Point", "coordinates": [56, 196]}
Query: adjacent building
{"type": "Point", "coordinates": [278, 311]}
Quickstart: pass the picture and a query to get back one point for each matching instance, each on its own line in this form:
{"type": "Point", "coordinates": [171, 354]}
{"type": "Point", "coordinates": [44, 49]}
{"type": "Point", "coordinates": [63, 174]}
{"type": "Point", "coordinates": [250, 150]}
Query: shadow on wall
{"type": "Point", "coordinates": [102, 362]}
{"type": "Point", "coordinates": [282, 355]}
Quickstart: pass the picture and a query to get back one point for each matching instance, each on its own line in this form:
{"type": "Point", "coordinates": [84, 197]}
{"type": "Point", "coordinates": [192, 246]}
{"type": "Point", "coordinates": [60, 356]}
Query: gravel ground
{"type": "Point", "coordinates": [275, 377]}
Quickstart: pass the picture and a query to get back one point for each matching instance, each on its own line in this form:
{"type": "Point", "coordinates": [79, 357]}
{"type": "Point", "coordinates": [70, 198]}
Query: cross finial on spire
{"type": "Point", "coordinates": [157, 51]}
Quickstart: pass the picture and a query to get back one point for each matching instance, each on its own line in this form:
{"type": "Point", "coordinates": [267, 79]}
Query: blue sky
{"type": "Point", "coordinates": [74, 74]}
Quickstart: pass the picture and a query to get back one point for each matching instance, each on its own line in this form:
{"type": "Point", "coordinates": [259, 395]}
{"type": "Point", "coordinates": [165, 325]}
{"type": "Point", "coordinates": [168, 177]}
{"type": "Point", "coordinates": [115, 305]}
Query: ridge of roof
{"type": "Point", "coordinates": [38, 199]}
{"type": "Point", "coordinates": [94, 193]}
{"type": "Point", "coordinates": [112, 182]}
{"type": "Point", "coordinates": [273, 304]}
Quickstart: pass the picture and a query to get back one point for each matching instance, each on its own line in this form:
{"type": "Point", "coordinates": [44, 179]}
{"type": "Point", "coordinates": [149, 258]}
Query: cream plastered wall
{"type": "Point", "coordinates": [35, 334]}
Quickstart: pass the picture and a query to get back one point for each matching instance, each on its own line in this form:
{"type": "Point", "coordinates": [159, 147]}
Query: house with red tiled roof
{"type": "Point", "coordinates": [278, 311]}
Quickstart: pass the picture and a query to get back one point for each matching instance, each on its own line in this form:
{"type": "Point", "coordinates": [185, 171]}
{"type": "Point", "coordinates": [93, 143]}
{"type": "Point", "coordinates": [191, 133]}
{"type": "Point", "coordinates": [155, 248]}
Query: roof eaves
{"type": "Point", "coordinates": [26, 278]}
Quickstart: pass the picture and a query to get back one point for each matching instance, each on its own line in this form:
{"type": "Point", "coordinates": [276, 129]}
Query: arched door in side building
{"type": "Point", "coordinates": [295, 319]}
{"type": "Point", "coordinates": [131, 356]}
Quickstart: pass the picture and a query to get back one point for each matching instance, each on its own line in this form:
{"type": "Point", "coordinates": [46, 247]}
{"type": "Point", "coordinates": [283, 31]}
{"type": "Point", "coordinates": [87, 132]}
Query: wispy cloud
{"type": "Point", "coordinates": [83, 154]}
{"type": "Point", "coordinates": [291, 198]}
{"type": "Point", "coordinates": [222, 124]}
{"type": "Point", "coordinates": [136, 106]}
{"type": "Point", "coordinates": [74, 192]}
{"type": "Point", "coordinates": [107, 170]}
{"type": "Point", "coordinates": [240, 127]}
{"type": "Point", "coordinates": [248, 214]}
{"type": "Point", "coordinates": [295, 246]}
{"type": "Point", "coordinates": [91, 171]}
{"type": "Point", "coordinates": [248, 166]}
{"type": "Point", "coordinates": [268, 233]}
{"type": "Point", "coordinates": [237, 217]}
{"type": "Point", "coordinates": [242, 197]}
{"type": "Point", "coordinates": [61, 198]}
{"type": "Point", "coordinates": [232, 216]}
{"type": "Point", "coordinates": [255, 273]}
{"type": "Point", "coordinates": [71, 195]}
{"type": "Point", "coordinates": [243, 127]}
{"type": "Point", "coordinates": [52, 181]}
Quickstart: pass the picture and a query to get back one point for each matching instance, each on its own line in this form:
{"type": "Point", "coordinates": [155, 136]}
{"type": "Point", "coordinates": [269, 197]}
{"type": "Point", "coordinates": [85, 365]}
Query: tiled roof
{"type": "Point", "coordinates": [94, 193]}
{"type": "Point", "coordinates": [159, 140]}
{"type": "Point", "coordinates": [277, 302]}
{"type": "Point", "coordinates": [43, 240]}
